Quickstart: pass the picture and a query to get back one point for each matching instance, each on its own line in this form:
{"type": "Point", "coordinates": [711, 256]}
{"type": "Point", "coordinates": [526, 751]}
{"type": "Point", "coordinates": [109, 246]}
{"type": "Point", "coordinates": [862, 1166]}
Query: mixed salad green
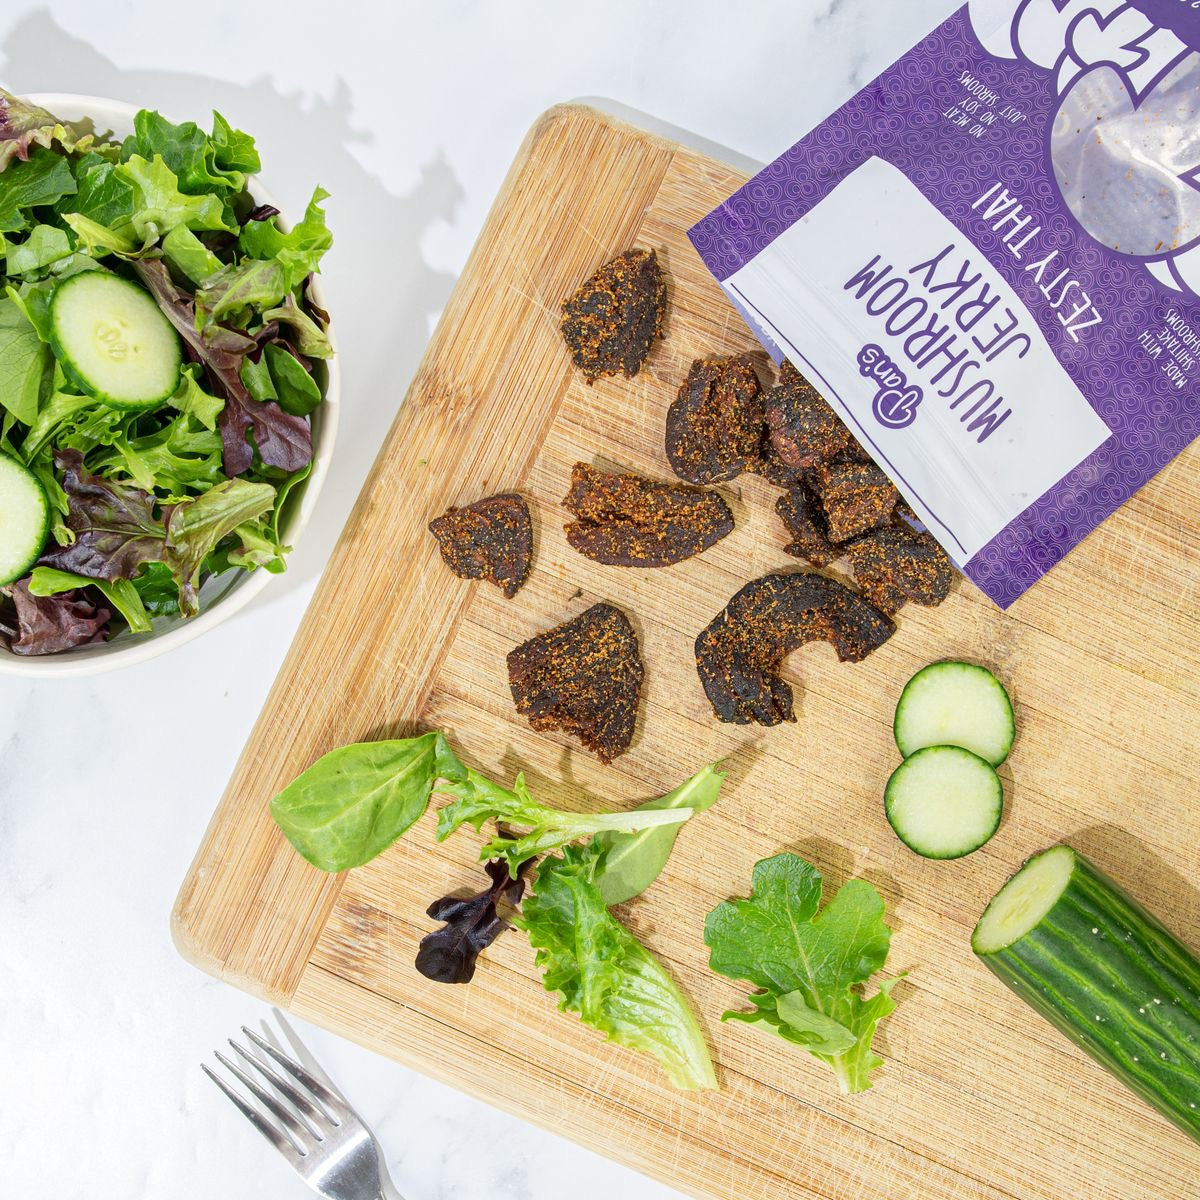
{"type": "Point", "coordinates": [159, 363]}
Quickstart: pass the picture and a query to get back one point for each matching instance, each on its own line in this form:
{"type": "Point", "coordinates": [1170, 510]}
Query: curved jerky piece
{"type": "Point", "coordinates": [628, 521]}
{"type": "Point", "coordinates": [739, 655]}
{"type": "Point", "coordinates": [801, 514]}
{"type": "Point", "coordinates": [584, 678]}
{"type": "Point", "coordinates": [612, 320]}
{"type": "Point", "coordinates": [857, 497]}
{"type": "Point", "coordinates": [804, 430]}
{"type": "Point", "coordinates": [896, 564]}
{"type": "Point", "coordinates": [715, 425]}
{"type": "Point", "coordinates": [491, 539]}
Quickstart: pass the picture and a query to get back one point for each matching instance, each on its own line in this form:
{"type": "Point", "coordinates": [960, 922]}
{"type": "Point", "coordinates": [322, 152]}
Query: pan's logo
{"type": "Point", "coordinates": [1124, 143]}
{"type": "Point", "coordinates": [896, 400]}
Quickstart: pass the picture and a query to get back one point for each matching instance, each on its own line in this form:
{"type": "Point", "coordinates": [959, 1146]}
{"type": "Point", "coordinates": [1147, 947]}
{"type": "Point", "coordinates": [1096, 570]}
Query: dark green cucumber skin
{"type": "Point", "coordinates": [1133, 973]}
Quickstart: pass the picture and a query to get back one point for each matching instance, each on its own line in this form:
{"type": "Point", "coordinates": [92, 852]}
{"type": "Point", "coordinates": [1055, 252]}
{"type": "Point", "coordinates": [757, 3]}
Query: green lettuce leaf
{"type": "Point", "coordinates": [237, 294]}
{"type": "Point", "coordinates": [190, 398]}
{"type": "Point", "coordinates": [633, 861]}
{"type": "Point", "coordinates": [33, 299]}
{"type": "Point", "coordinates": [299, 250]}
{"type": "Point", "coordinates": [188, 151]}
{"type": "Point", "coordinates": [306, 334]}
{"type": "Point", "coordinates": [353, 803]}
{"type": "Point", "coordinates": [158, 590]}
{"type": "Point", "coordinates": [190, 256]}
{"type": "Point", "coordinates": [605, 975]}
{"type": "Point", "coordinates": [25, 364]}
{"type": "Point", "coordinates": [809, 965]}
{"type": "Point", "coordinates": [161, 204]}
{"type": "Point", "coordinates": [120, 593]}
{"type": "Point", "coordinates": [233, 150]}
{"type": "Point", "coordinates": [43, 178]}
{"type": "Point", "coordinates": [45, 245]}
{"type": "Point", "coordinates": [104, 195]}
{"type": "Point", "coordinates": [479, 800]}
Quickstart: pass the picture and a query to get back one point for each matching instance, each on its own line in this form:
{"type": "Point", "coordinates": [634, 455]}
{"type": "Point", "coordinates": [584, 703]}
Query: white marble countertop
{"type": "Point", "coordinates": [409, 113]}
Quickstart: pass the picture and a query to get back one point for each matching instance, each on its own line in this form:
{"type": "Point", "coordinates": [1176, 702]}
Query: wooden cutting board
{"type": "Point", "coordinates": [979, 1097]}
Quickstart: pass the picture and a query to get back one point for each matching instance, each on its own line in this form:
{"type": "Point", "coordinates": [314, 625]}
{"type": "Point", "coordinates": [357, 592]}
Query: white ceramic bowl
{"type": "Point", "coordinates": [223, 596]}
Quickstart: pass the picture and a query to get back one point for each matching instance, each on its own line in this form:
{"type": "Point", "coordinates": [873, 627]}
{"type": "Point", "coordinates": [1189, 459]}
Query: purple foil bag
{"type": "Point", "coordinates": [989, 263]}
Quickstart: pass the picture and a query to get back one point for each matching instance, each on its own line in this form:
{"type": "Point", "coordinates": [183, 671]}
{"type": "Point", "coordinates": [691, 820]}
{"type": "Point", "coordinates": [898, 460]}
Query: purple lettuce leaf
{"type": "Point", "coordinates": [24, 125]}
{"type": "Point", "coordinates": [283, 440]}
{"type": "Point", "coordinates": [51, 624]}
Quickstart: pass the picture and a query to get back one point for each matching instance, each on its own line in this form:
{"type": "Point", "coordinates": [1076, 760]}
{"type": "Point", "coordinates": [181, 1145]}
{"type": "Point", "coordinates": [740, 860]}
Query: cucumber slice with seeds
{"type": "Point", "coordinates": [944, 802]}
{"type": "Point", "coordinates": [24, 519]}
{"type": "Point", "coordinates": [113, 341]}
{"type": "Point", "coordinates": [955, 704]}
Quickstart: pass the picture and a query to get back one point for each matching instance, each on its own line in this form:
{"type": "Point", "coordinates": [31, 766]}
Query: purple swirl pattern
{"type": "Point", "coordinates": [899, 117]}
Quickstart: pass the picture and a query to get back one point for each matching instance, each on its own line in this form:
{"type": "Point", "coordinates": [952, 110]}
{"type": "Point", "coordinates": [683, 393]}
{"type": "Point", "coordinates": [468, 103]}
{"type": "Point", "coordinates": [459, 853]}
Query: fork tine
{"type": "Point", "coordinates": [315, 1116]}
{"type": "Point", "coordinates": [278, 1140]}
{"type": "Point", "coordinates": [336, 1108]}
{"type": "Point", "coordinates": [295, 1130]}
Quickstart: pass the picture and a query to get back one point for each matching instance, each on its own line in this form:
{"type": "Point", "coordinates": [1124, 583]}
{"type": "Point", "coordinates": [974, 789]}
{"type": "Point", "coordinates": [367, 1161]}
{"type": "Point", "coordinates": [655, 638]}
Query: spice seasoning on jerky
{"type": "Point", "coordinates": [716, 424]}
{"type": "Point", "coordinates": [583, 678]}
{"type": "Point", "coordinates": [856, 497]}
{"type": "Point", "coordinates": [801, 514]}
{"type": "Point", "coordinates": [896, 564]}
{"type": "Point", "coordinates": [612, 320]}
{"type": "Point", "coordinates": [804, 430]}
{"type": "Point", "coordinates": [739, 655]}
{"type": "Point", "coordinates": [628, 521]}
{"type": "Point", "coordinates": [491, 539]}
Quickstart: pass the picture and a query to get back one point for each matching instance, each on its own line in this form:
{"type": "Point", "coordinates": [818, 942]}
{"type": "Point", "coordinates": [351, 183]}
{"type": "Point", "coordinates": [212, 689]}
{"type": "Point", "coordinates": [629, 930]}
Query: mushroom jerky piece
{"type": "Point", "coordinates": [583, 678]}
{"type": "Point", "coordinates": [804, 430]}
{"type": "Point", "coordinates": [896, 564]}
{"type": "Point", "coordinates": [612, 320]}
{"type": "Point", "coordinates": [628, 521]}
{"type": "Point", "coordinates": [491, 539]}
{"type": "Point", "coordinates": [716, 424]}
{"type": "Point", "coordinates": [739, 655]}
{"type": "Point", "coordinates": [801, 514]}
{"type": "Point", "coordinates": [856, 497]}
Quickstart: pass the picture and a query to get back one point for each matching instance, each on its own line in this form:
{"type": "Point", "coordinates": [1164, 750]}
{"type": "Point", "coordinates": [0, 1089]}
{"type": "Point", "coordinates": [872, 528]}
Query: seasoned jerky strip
{"type": "Point", "coordinates": [896, 563]}
{"type": "Point", "coordinates": [584, 678]}
{"type": "Point", "coordinates": [715, 424]}
{"type": "Point", "coordinates": [612, 320]}
{"type": "Point", "coordinates": [856, 497]}
{"type": "Point", "coordinates": [491, 539]}
{"type": "Point", "coordinates": [739, 655]}
{"type": "Point", "coordinates": [801, 514]}
{"type": "Point", "coordinates": [628, 521]}
{"type": "Point", "coordinates": [804, 429]}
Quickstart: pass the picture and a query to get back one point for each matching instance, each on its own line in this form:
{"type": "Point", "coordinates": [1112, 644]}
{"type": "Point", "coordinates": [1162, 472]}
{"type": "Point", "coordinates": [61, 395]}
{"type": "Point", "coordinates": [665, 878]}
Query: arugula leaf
{"type": "Point", "coordinates": [24, 126]}
{"type": "Point", "coordinates": [25, 364]}
{"type": "Point", "coordinates": [605, 975]}
{"type": "Point", "coordinates": [51, 624]}
{"type": "Point", "coordinates": [192, 400]}
{"type": "Point", "coordinates": [120, 593]}
{"type": "Point", "coordinates": [808, 965]}
{"type": "Point", "coordinates": [43, 178]}
{"type": "Point", "coordinates": [353, 803]}
{"type": "Point", "coordinates": [46, 244]}
{"type": "Point", "coordinates": [479, 800]}
{"type": "Point", "coordinates": [633, 861]}
{"type": "Point", "coordinates": [42, 465]}
{"type": "Point", "coordinates": [472, 924]}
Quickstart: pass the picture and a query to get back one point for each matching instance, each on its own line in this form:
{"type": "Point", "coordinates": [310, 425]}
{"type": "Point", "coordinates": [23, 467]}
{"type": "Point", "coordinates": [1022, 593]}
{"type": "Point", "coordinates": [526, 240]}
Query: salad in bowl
{"type": "Point", "coordinates": [165, 381]}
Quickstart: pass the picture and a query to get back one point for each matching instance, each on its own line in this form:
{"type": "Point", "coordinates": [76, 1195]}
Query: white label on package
{"type": "Point", "coordinates": [927, 353]}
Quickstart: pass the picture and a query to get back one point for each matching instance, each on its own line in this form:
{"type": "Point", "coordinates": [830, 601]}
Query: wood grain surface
{"type": "Point", "coordinates": [980, 1099]}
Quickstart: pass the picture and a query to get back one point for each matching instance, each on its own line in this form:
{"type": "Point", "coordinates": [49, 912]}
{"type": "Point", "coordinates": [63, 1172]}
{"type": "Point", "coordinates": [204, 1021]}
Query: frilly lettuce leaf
{"type": "Point", "coordinates": [809, 966]}
{"type": "Point", "coordinates": [201, 163]}
{"type": "Point", "coordinates": [605, 975]}
{"type": "Point", "coordinates": [24, 126]}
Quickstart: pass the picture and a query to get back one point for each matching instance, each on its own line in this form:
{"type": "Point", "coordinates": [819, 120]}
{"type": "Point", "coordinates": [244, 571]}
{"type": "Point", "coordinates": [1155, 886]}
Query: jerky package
{"type": "Point", "coordinates": [988, 262]}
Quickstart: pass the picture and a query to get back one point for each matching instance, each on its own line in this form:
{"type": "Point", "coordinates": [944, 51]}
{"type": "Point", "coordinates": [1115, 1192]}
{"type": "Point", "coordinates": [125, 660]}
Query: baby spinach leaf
{"type": "Point", "coordinates": [353, 803]}
{"type": "Point", "coordinates": [605, 975]}
{"type": "Point", "coordinates": [633, 861]}
{"type": "Point", "coordinates": [479, 800]}
{"type": "Point", "coordinates": [809, 965]}
{"type": "Point", "coordinates": [44, 178]}
{"type": "Point", "coordinates": [297, 390]}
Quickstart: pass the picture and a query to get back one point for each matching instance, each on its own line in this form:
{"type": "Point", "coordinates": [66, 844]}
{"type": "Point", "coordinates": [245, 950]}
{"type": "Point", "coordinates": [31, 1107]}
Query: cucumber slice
{"type": "Point", "coordinates": [1103, 971]}
{"type": "Point", "coordinates": [113, 340]}
{"type": "Point", "coordinates": [24, 519]}
{"type": "Point", "coordinates": [955, 704]}
{"type": "Point", "coordinates": [944, 802]}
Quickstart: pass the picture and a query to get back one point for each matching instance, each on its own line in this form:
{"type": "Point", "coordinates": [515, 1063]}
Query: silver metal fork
{"type": "Point", "coordinates": [306, 1119]}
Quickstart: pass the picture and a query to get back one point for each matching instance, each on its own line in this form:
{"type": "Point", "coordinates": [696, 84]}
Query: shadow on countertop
{"type": "Point", "coordinates": [382, 295]}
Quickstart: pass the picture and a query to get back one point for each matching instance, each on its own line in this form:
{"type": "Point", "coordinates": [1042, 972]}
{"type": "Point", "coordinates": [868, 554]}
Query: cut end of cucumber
{"type": "Point", "coordinates": [944, 802]}
{"type": "Point", "coordinates": [1024, 900]}
{"type": "Point", "coordinates": [24, 519]}
{"type": "Point", "coordinates": [113, 340]}
{"type": "Point", "coordinates": [955, 704]}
